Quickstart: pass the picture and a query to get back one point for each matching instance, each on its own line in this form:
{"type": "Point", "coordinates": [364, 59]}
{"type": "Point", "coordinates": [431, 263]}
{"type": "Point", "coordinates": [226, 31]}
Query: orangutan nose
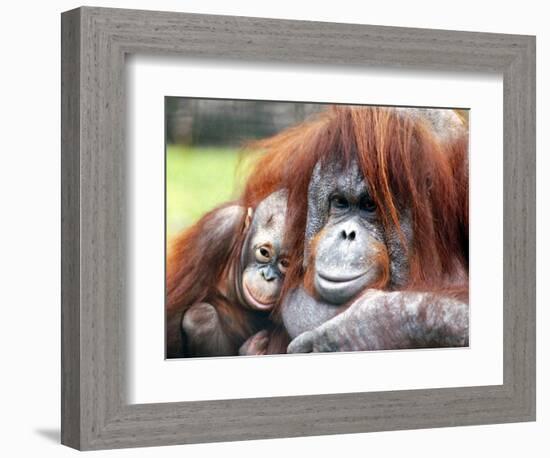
{"type": "Point", "coordinates": [268, 274]}
{"type": "Point", "coordinates": [348, 235]}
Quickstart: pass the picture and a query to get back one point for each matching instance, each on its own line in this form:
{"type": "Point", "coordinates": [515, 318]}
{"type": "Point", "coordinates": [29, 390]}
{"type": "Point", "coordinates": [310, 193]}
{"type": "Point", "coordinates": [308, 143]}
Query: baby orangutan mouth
{"type": "Point", "coordinates": [258, 299]}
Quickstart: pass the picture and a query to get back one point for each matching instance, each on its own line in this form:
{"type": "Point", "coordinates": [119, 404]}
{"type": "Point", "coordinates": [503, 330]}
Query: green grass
{"type": "Point", "coordinates": [197, 180]}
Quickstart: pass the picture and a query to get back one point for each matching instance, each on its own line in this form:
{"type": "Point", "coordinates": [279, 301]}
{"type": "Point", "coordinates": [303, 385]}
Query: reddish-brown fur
{"type": "Point", "coordinates": [199, 265]}
{"type": "Point", "coordinates": [196, 263]}
{"type": "Point", "coordinates": [190, 278]}
{"type": "Point", "coordinates": [405, 165]}
{"type": "Point", "coordinates": [382, 261]}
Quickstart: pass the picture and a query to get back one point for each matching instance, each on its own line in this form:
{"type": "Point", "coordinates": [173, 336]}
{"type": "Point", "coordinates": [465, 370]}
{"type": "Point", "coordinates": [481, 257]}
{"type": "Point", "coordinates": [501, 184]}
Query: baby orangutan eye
{"type": "Point", "coordinates": [283, 265]}
{"type": "Point", "coordinates": [263, 254]}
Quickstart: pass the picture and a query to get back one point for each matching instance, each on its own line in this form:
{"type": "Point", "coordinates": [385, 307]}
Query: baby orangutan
{"type": "Point", "coordinates": [224, 277]}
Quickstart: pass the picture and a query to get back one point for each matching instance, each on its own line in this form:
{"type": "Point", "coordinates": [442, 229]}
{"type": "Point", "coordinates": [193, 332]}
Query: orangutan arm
{"type": "Point", "coordinates": [256, 344]}
{"type": "Point", "coordinates": [388, 321]}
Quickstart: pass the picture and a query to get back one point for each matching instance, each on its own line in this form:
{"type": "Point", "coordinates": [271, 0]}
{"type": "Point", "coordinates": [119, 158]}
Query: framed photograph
{"type": "Point", "coordinates": [278, 228]}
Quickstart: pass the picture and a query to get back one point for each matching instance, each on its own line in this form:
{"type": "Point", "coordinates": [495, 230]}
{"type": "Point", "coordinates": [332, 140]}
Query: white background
{"type": "Point", "coordinates": [152, 379]}
{"type": "Point", "coordinates": [29, 186]}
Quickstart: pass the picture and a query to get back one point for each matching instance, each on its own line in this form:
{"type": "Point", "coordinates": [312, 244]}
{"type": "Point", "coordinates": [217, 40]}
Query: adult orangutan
{"type": "Point", "coordinates": [377, 228]}
{"type": "Point", "coordinates": [224, 275]}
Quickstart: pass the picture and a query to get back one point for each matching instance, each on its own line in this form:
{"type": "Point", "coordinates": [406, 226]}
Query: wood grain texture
{"type": "Point", "coordinates": [70, 229]}
{"type": "Point", "coordinates": [95, 42]}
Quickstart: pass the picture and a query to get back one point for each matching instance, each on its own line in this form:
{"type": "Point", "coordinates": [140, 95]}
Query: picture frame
{"type": "Point", "coordinates": [95, 411]}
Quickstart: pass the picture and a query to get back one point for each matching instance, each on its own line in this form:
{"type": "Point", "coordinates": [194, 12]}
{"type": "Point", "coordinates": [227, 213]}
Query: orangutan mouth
{"type": "Point", "coordinates": [340, 279]}
{"type": "Point", "coordinates": [253, 300]}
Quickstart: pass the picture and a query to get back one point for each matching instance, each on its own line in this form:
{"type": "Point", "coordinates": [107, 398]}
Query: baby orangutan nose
{"type": "Point", "coordinates": [268, 274]}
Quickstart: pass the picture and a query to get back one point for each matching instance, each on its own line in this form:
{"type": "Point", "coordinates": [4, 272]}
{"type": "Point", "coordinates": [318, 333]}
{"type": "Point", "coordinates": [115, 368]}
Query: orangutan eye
{"type": "Point", "coordinates": [367, 204]}
{"type": "Point", "coordinates": [283, 265]}
{"type": "Point", "coordinates": [263, 254]}
{"type": "Point", "coordinates": [339, 202]}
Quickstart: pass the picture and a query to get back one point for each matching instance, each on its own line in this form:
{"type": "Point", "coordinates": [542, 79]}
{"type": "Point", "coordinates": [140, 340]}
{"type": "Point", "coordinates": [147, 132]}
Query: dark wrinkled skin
{"type": "Point", "coordinates": [337, 257]}
{"type": "Point", "coordinates": [339, 205]}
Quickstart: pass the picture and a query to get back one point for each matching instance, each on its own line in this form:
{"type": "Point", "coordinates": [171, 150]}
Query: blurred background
{"type": "Point", "coordinates": [204, 158]}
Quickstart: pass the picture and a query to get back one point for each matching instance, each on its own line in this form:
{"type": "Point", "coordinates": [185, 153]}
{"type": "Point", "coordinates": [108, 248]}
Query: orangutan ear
{"type": "Point", "coordinates": [248, 218]}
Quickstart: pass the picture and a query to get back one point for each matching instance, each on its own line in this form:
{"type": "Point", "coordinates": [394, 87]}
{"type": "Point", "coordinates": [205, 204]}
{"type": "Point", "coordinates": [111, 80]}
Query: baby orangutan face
{"type": "Point", "coordinates": [263, 257]}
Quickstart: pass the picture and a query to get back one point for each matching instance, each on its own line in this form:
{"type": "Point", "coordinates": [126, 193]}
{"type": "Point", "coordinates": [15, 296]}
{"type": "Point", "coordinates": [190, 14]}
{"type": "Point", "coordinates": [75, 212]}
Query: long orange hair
{"type": "Point", "coordinates": [406, 166]}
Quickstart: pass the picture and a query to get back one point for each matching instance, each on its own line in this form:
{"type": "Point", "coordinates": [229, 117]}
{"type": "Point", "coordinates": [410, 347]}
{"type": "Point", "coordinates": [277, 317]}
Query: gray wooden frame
{"type": "Point", "coordinates": [95, 41]}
